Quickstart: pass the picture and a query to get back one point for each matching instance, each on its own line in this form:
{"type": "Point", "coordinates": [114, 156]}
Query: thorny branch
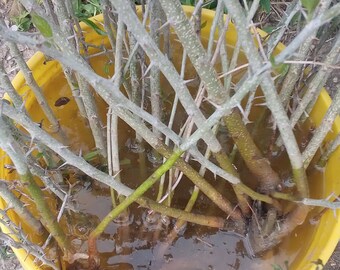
{"type": "Point", "coordinates": [64, 46]}
{"type": "Point", "coordinates": [16, 239]}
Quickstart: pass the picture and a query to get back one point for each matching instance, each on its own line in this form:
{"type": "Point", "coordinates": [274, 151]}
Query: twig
{"type": "Point", "coordinates": [223, 49]}
{"type": "Point", "coordinates": [78, 162]}
{"type": "Point", "coordinates": [92, 115]}
{"type": "Point", "coordinates": [167, 68]}
{"type": "Point", "coordinates": [317, 83]}
{"type": "Point", "coordinates": [36, 89]}
{"type": "Point", "coordinates": [63, 151]}
{"type": "Point", "coordinates": [102, 84]}
{"type": "Point", "coordinates": [322, 130]}
{"type": "Point", "coordinates": [321, 203]}
{"type": "Point", "coordinates": [107, 23]}
{"type": "Point", "coordinates": [112, 117]}
{"type": "Point", "coordinates": [272, 98]}
{"type": "Point", "coordinates": [329, 151]}
{"type": "Point", "coordinates": [313, 63]}
{"type": "Point", "coordinates": [282, 26]}
{"type": "Point", "coordinates": [73, 84]}
{"type": "Point", "coordinates": [10, 146]}
{"type": "Point", "coordinates": [155, 88]}
{"type": "Point", "coordinates": [109, 151]}
{"type": "Point", "coordinates": [195, 50]}
{"type": "Point", "coordinates": [307, 31]}
{"type": "Point", "coordinates": [146, 185]}
{"type": "Point", "coordinates": [294, 72]}
{"type": "Point", "coordinates": [6, 84]}
{"type": "Point", "coordinates": [74, 25]}
{"type": "Point", "coordinates": [13, 202]}
{"type": "Point", "coordinates": [218, 14]}
{"type": "Point", "coordinates": [29, 248]}
{"type": "Point", "coordinates": [235, 69]}
{"type": "Point", "coordinates": [53, 187]}
{"type": "Point", "coordinates": [49, 10]}
{"type": "Point", "coordinates": [236, 52]}
{"type": "Point", "coordinates": [61, 211]}
{"type": "Point", "coordinates": [170, 124]}
{"type": "Point", "coordinates": [216, 95]}
{"type": "Point", "coordinates": [60, 11]}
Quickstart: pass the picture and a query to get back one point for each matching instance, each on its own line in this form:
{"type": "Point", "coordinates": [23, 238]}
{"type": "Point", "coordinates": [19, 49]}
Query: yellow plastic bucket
{"type": "Point", "coordinates": [319, 241]}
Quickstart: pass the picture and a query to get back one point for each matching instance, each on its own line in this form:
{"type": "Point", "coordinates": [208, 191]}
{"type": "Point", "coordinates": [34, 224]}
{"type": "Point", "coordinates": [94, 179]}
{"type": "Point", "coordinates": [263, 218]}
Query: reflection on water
{"type": "Point", "coordinates": [142, 242]}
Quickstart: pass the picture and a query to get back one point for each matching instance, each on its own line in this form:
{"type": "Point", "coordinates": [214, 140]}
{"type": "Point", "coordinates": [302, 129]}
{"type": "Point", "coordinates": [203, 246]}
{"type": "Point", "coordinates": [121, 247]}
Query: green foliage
{"type": "Point", "coordinates": [23, 21]}
{"type": "Point", "coordinates": [310, 5]}
{"type": "Point", "coordinates": [188, 2]}
{"type": "Point", "coordinates": [82, 9]}
{"type": "Point", "coordinates": [204, 24]}
{"type": "Point", "coordinates": [269, 29]}
{"type": "Point", "coordinates": [276, 267]}
{"type": "Point", "coordinates": [209, 4]}
{"type": "Point", "coordinates": [281, 69]}
{"type": "Point", "coordinates": [279, 267]}
{"type": "Point", "coordinates": [93, 26]}
{"type": "Point", "coordinates": [42, 25]}
{"type": "Point", "coordinates": [107, 67]}
{"type": "Point", "coordinates": [265, 5]}
{"type": "Point", "coordinates": [91, 155]}
{"type": "Point", "coordinates": [39, 155]}
{"type": "Point", "coordinates": [86, 9]}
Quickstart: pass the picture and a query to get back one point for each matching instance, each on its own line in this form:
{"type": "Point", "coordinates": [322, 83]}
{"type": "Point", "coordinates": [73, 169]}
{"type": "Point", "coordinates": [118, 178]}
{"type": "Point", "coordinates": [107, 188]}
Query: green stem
{"type": "Point", "coordinates": [202, 184]}
{"type": "Point", "coordinates": [198, 56]}
{"type": "Point", "coordinates": [136, 194]}
{"type": "Point", "coordinates": [272, 99]}
{"type": "Point", "coordinates": [255, 195]}
{"type": "Point", "coordinates": [225, 164]}
{"type": "Point", "coordinates": [188, 208]}
{"type": "Point", "coordinates": [13, 150]}
{"type": "Point", "coordinates": [302, 185]}
{"type": "Point", "coordinates": [210, 221]}
{"type": "Point", "coordinates": [48, 218]}
{"type": "Point", "coordinates": [148, 183]}
{"type": "Point", "coordinates": [13, 202]}
{"type": "Point", "coordinates": [284, 196]}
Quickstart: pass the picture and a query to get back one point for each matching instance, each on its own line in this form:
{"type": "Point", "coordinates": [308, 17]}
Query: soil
{"type": "Point", "coordinates": [334, 261]}
{"type": "Point", "coordinates": [7, 258]}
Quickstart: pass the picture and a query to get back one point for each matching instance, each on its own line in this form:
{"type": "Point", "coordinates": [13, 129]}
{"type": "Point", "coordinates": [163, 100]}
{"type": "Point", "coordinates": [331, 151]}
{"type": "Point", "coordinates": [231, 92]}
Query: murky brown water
{"type": "Point", "coordinates": [142, 243]}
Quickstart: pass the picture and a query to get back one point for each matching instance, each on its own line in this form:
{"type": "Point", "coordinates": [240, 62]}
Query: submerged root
{"type": "Point", "coordinates": [93, 259]}
{"type": "Point", "coordinates": [262, 240]}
